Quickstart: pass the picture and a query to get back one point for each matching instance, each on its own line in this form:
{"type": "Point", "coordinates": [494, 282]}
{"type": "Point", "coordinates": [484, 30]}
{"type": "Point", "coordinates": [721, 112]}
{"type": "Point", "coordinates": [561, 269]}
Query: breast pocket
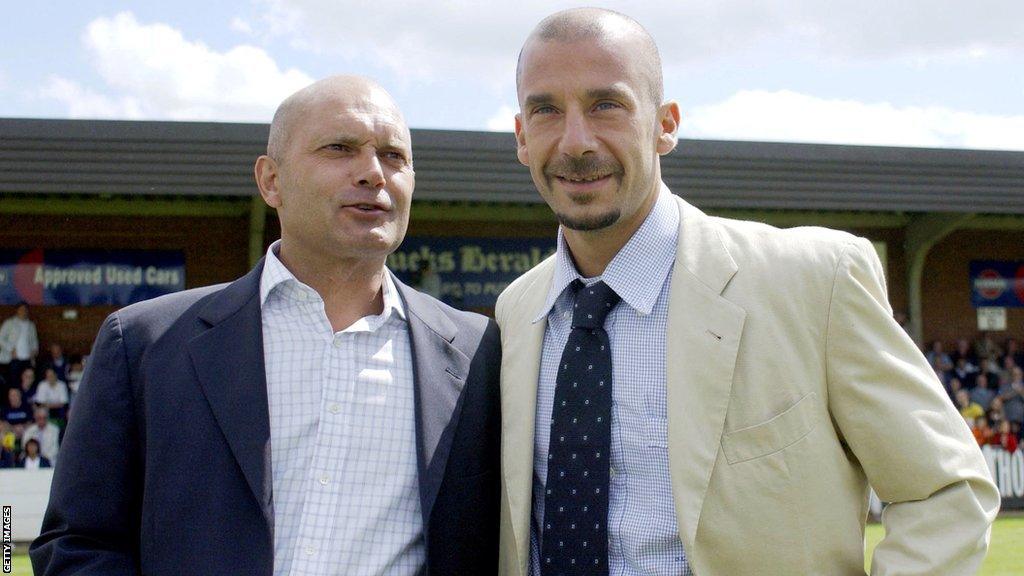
{"type": "Point", "coordinates": [772, 435]}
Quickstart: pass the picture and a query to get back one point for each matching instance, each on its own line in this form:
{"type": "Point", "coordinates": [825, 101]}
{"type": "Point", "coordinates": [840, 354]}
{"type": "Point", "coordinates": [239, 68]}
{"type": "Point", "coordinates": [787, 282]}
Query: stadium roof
{"type": "Point", "coordinates": [167, 159]}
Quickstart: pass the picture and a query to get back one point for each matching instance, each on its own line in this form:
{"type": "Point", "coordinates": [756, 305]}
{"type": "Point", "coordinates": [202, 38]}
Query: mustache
{"type": "Point", "coordinates": [586, 166]}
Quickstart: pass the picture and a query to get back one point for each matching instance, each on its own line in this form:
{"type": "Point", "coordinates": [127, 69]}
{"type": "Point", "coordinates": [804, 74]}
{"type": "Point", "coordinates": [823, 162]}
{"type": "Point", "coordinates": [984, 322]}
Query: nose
{"type": "Point", "coordinates": [369, 173]}
{"type": "Point", "coordinates": [577, 135]}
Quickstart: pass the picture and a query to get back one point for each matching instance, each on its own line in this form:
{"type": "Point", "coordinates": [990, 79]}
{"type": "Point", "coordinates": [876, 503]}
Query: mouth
{"type": "Point", "coordinates": [367, 208]}
{"type": "Point", "coordinates": [582, 179]}
{"type": "Point", "coordinates": [583, 183]}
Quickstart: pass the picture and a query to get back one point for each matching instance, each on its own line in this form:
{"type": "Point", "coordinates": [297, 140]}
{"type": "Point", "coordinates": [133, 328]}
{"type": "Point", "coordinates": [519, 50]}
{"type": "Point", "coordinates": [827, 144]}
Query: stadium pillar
{"type": "Point", "coordinates": [257, 226]}
{"type": "Point", "coordinates": [922, 233]}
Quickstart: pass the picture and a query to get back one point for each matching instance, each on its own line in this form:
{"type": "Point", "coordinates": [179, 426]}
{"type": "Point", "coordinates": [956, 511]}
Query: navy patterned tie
{"type": "Point", "coordinates": [575, 534]}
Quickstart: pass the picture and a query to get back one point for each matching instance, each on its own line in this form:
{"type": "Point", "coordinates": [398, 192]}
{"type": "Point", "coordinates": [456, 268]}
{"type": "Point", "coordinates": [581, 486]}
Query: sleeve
{"type": "Point", "coordinates": [916, 450]}
{"type": "Point", "coordinates": [91, 525]}
{"type": "Point", "coordinates": [33, 340]}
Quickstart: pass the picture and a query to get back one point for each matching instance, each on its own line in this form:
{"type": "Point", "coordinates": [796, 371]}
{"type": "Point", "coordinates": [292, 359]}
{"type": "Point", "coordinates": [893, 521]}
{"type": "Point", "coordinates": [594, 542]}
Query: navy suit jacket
{"type": "Point", "coordinates": [165, 467]}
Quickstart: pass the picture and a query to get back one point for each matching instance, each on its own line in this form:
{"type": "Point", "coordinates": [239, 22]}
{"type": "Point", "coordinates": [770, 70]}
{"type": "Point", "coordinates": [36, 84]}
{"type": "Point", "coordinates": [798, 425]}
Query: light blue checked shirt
{"type": "Point", "coordinates": [342, 434]}
{"type": "Point", "coordinates": [643, 537]}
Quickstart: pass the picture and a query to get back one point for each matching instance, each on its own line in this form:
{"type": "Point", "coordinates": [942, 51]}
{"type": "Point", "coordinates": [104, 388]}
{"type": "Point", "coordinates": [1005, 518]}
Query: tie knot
{"type": "Point", "coordinates": [593, 303]}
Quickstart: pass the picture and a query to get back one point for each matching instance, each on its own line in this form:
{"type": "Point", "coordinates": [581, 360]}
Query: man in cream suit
{"type": "Point", "coordinates": [759, 382]}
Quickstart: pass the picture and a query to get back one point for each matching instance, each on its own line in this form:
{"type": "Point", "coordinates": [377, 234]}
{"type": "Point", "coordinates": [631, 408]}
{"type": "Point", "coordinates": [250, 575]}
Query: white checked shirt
{"type": "Point", "coordinates": [643, 537]}
{"type": "Point", "coordinates": [342, 434]}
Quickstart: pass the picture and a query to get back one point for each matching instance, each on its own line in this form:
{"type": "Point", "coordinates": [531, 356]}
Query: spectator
{"type": "Point", "coordinates": [27, 385]}
{"type": "Point", "coordinates": [981, 394]}
{"type": "Point", "coordinates": [969, 410]}
{"type": "Point", "coordinates": [1012, 350]}
{"type": "Point", "coordinates": [938, 358]}
{"type": "Point", "coordinates": [1005, 437]}
{"type": "Point", "coordinates": [985, 348]}
{"type": "Point", "coordinates": [965, 371]}
{"type": "Point", "coordinates": [52, 393]}
{"type": "Point", "coordinates": [56, 360]}
{"type": "Point", "coordinates": [44, 432]}
{"type": "Point", "coordinates": [16, 413]}
{"type": "Point", "coordinates": [75, 371]}
{"type": "Point", "coordinates": [19, 342]}
{"type": "Point", "coordinates": [32, 459]}
{"type": "Point", "coordinates": [952, 387]}
{"type": "Point", "coordinates": [1006, 368]}
{"type": "Point", "coordinates": [430, 282]}
{"type": "Point", "coordinates": [7, 443]}
{"type": "Point", "coordinates": [984, 433]}
{"type": "Point", "coordinates": [965, 352]}
{"type": "Point", "coordinates": [1011, 394]}
{"type": "Point", "coordinates": [996, 415]}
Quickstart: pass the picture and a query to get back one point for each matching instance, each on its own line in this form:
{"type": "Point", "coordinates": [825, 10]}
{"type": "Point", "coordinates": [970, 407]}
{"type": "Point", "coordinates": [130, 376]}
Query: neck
{"type": "Point", "coordinates": [593, 250]}
{"type": "Point", "coordinates": [351, 288]}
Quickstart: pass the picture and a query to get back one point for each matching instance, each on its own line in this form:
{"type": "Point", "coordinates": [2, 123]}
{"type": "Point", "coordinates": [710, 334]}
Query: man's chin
{"type": "Point", "coordinates": [588, 222]}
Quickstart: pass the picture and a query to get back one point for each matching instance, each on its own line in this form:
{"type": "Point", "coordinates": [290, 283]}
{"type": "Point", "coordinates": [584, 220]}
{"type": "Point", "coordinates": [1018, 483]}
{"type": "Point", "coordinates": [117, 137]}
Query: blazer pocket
{"type": "Point", "coordinates": [772, 435]}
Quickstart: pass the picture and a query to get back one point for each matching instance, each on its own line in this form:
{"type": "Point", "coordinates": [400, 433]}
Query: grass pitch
{"type": "Point", "coordinates": [1005, 552]}
{"type": "Point", "coordinates": [1005, 555]}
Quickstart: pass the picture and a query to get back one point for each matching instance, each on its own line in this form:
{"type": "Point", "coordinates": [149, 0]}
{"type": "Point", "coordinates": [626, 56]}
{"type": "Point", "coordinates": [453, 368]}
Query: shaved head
{"type": "Point", "coordinates": [584, 24]}
{"type": "Point", "coordinates": [346, 90]}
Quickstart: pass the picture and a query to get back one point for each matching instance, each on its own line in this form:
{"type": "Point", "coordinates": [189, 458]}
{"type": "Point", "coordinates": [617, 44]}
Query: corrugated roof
{"type": "Point", "coordinates": [213, 159]}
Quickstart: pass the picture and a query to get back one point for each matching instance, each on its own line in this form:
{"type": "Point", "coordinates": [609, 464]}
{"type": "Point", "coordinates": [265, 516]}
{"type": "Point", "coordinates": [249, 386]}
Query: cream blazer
{"type": "Point", "coordinates": [790, 389]}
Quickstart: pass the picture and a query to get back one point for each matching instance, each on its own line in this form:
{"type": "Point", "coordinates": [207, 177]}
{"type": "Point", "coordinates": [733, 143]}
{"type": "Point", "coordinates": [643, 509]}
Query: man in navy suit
{"type": "Point", "coordinates": [315, 416]}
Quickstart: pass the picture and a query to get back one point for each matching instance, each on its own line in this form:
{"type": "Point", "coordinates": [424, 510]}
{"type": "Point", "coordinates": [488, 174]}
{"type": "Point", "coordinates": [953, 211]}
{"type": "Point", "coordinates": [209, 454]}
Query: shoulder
{"type": "Point", "coordinates": [145, 322]}
{"type": "Point", "coordinates": [470, 329]}
{"type": "Point", "coordinates": [795, 253]}
{"type": "Point", "coordinates": [537, 278]}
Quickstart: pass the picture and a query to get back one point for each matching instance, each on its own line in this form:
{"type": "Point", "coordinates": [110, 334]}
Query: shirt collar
{"type": "Point", "coordinates": [276, 276]}
{"type": "Point", "coordinates": [638, 270]}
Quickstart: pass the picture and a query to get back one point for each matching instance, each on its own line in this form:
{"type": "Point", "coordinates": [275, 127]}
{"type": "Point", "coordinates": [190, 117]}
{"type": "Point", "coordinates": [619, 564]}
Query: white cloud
{"type": "Point", "coordinates": [84, 103]}
{"type": "Point", "coordinates": [241, 25]}
{"type": "Point", "coordinates": [441, 38]}
{"type": "Point", "coordinates": [157, 73]}
{"type": "Point", "coordinates": [793, 117]}
{"type": "Point", "coordinates": [504, 120]}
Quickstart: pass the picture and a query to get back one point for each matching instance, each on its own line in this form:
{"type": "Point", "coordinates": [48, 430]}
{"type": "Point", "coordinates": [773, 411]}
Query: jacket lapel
{"type": "Point", "coordinates": [439, 374]}
{"type": "Point", "coordinates": [520, 369]}
{"type": "Point", "coordinates": [703, 338]}
{"type": "Point", "coordinates": [228, 359]}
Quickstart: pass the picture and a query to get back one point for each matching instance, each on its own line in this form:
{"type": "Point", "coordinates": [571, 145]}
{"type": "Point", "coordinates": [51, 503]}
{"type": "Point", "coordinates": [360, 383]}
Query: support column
{"type": "Point", "coordinates": [257, 225]}
{"type": "Point", "coordinates": [922, 233]}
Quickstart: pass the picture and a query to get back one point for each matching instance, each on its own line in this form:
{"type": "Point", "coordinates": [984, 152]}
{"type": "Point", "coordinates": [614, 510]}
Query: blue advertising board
{"type": "Point", "coordinates": [472, 271]}
{"type": "Point", "coordinates": [89, 277]}
{"type": "Point", "coordinates": [997, 283]}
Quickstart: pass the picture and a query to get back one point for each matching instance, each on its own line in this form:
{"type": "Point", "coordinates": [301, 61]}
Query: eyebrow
{"type": "Point", "coordinates": [609, 94]}
{"type": "Point", "coordinates": [536, 99]}
{"type": "Point", "coordinates": [593, 94]}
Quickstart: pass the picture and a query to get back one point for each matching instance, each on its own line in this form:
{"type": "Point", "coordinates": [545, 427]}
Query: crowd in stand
{"type": "Point", "coordinates": [985, 380]}
{"type": "Point", "coordinates": [39, 393]}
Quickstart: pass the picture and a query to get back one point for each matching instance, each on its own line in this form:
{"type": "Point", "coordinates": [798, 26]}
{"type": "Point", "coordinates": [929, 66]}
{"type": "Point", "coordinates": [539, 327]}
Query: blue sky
{"type": "Point", "coordinates": [943, 73]}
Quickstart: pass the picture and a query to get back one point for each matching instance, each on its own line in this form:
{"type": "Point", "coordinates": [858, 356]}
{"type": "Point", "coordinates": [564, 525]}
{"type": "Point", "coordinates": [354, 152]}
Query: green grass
{"type": "Point", "coordinates": [21, 563]}
{"type": "Point", "coordinates": [1005, 555]}
{"type": "Point", "coordinates": [1005, 552]}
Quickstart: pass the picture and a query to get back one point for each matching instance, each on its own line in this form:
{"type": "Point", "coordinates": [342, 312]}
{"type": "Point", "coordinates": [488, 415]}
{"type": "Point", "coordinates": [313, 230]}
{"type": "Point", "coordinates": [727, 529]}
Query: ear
{"type": "Point", "coordinates": [266, 178]}
{"type": "Point", "coordinates": [521, 150]}
{"type": "Point", "coordinates": [668, 124]}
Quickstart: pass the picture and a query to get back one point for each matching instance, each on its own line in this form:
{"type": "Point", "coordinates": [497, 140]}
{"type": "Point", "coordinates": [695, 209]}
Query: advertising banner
{"type": "Point", "coordinates": [470, 272]}
{"type": "Point", "coordinates": [89, 277]}
{"type": "Point", "coordinates": [997, 283]}
{"type": "Point", "coordinates": [1008, 472]}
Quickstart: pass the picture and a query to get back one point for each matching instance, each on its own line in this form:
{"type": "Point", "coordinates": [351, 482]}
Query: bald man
{"type": "Point", "coordinates": [314, 417]}
{"type": "Point", "coordinates": [689, 395]}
